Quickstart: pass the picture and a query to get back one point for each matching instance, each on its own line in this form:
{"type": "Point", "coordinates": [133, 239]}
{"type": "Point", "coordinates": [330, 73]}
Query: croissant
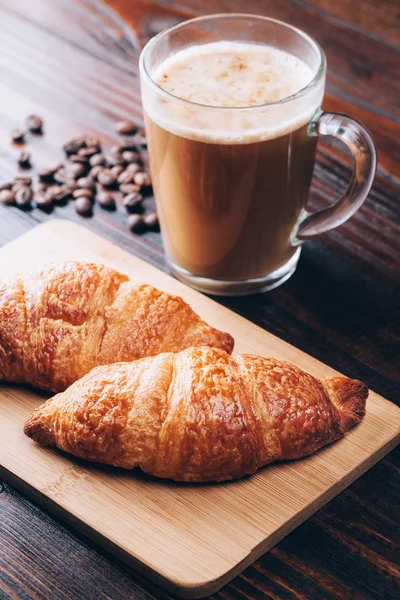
{"type": "Point", "coordinates": [60, 321]}
{"type": "Point", "coordinates": [198, 415]}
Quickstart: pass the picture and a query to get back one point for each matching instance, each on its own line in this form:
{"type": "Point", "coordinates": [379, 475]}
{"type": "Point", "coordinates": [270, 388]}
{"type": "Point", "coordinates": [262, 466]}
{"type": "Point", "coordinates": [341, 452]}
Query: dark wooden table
{"type": "Point", "coordinates": [75, 63]}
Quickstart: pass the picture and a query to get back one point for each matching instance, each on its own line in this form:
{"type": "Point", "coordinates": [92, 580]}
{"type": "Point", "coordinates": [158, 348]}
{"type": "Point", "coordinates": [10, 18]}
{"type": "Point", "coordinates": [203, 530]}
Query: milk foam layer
{"type": "Point", "coordinates": [233, 74]}
{"type": "Point", "coordinates": [220, 78]}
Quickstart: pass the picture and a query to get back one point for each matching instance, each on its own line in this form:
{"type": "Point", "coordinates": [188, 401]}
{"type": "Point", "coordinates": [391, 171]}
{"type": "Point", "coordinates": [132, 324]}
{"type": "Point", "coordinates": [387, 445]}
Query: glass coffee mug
{"type": "Point", "coordinates": [231, 181]}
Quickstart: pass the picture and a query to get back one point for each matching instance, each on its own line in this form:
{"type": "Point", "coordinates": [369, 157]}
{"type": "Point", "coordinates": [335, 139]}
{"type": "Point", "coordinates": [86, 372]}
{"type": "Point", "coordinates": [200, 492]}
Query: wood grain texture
{"type": "Point", "coordinates": [341, 306]}
{"type": "Point", "coordinates": [189, 539]}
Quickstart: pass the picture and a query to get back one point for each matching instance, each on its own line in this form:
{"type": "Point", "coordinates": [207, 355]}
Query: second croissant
{"type": "Point", "coordinates": [198, 415]}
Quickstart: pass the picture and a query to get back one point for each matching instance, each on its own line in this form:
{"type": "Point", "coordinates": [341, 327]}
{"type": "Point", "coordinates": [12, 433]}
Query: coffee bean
{"type": "Point", "coordinates": [117, 170]}
{"type": "Point", "coordinates": [129, 188]}
{"type": "Point", "coordinates": [106, 200]}
{"type": "Point", "coordinates": [60, 194]}
{"type": "Point", "coordinates": [74, 145]}
{"type": "Point", "coordinates": [125, 127]}
{"type": "Point", "coordinates": [6, 186]}
{"type": "Point", "coordinates": [23, 196]}
{"type": "Point", "coordinates": [133, 168]}
{"type": "Point", "coordinates": [151, 220]}
{"type": "Point", "coordinates": [22, 180]}
{"type": "Point", "coordinates": [24, 160]}
{"type": "Point", "coordinates": [97, 159]}
{"type": "Point", "coordinates": [43, 200]}
{"type": "Point", "coordinates": [83, 206]}
{"type": "Point", "coordinates": [106, 178]}
{"type": "Point", "coordinates": [116, 150]}
{"type": "Point", "coordinates": [130, 156]}
{"type": "Point", "coordinates": [86, 182]}
{"type": "Point", "coordinates": [94, 171]}
{"type": "Point", "coordinates": [42, 186]}
{"type": "Point", "coordinates": [126, 177]}
{"type": "Point", "coordinates": [34, 124]}
{"type": "Point", "coordinates": [133, 202]}
{"type": "Point", "coordinates": [82, 160]}
{"type": "Point", "coordinates": [136, 223]}
{"type": "Point", "coordinates": [140, 139]}
{"type": "Point", "coordinates": [88, 152]}
{"type": "Point", "coordinates": [93, 142]}
{"type": "Point", "coordinates": [7, 196]}
{"type": "Point", "coordinates": [76, 170]}
{"type": "Point", "coordinates": [114, 159]}
{"type": "Point", "coordinates": [17, 135]}
{"type": "Point", "coordinates": [83, 192]}
{"type": "Point", "coordinates": [142, 178]}
{"type": "Point", "coordinates": [46, 174]}
{"type": "Point", "coordinates": [127, 143]}
{"type": "Point", "coordinates": [62, 176]}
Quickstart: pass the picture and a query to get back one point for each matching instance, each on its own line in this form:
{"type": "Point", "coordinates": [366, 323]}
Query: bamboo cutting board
{"type": "Point", "coordinates": [191, 539]}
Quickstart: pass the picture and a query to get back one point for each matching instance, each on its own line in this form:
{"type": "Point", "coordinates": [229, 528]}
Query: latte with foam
{"type": "Point", "coordinates": [231, 178]}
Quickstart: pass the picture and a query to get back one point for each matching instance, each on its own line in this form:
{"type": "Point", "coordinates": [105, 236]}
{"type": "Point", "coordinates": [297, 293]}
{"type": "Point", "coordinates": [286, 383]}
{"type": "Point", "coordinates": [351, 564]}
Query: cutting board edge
{"type": "Point", "coordinates": [200, 589]}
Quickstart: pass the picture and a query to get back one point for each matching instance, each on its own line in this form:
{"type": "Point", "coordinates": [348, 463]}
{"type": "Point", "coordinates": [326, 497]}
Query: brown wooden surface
{"type": "Point", "coordinates": [73, 63]}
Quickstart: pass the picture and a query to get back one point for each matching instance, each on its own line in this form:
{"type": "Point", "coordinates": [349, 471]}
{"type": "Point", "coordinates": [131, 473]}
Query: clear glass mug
{"type": "Point", "coordinates": [231, 184]}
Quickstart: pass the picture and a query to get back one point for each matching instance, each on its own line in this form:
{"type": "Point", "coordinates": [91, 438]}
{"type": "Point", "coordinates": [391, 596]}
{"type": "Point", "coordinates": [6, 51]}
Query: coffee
{"type": "Point", "coordinates": [229, 195]}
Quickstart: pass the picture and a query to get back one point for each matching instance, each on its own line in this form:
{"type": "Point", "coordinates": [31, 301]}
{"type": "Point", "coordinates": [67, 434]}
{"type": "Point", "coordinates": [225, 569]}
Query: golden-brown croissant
{"type": "Point", "coordinates": [198, 415]}
{"type": "Point", "coordinates": [59, 322]}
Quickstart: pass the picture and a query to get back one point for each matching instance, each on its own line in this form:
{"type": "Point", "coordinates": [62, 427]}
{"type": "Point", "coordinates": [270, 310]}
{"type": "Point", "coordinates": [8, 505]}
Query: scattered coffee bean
{"type": "Point", "coordinates": [106, 200]}
{"type": "Point", "coordinates": [76, 170]}
{"type": "Point", "coordinates": [23, 196]}
{"type": "Point", "coordinates": [140, 139]}
{"type": "Point", "coordinates": [114, 159]}
{"type": "Point", "coordinates": [6, 186]}
{"type": "Point", "coordinates": [97, 159]}
{"type": "Point", "coordinates": [133, 168]}
{"type": "Point", "coordinates": [133, 202]}
{"type": "Point", "coordinates": [117, 170]}
{"type": "Point", "coordinates": [62, 176]}
{"type": "Point", "coordinates": [142, 178]}
{"type": "Point", "coordinates": [86, 182]}
{"type": "Point", "coordinates": [83, 192]}
{"type": "Point", "coordinates": [125, 127]}
{"type": "Point", "coordinates": [17, 135]}
{"type": "Point", "coordinates": [46, 174]}
{"type": "Point", "coordinates": [42, 186]}
{"type": "Point", "coordinates": [83, 206]}
{"type": "Point", "coordinates": [88, 152]}
{"type": "Point", "coordinates": [60, 194]}
{"type": "Point", "coordinates": [24, 160]}
{"type": "Point", "coordinates": [93, 142]}
{"type": "Point", "coordinates": [136, 223]}
{"type": "Point", "coordinates": [129, 188]}
{"type": "Point", "coordinates": [151, 220]}
{"type": "Point", "coordinates": [106, 178]}
{"type": "Point", "coordinates": [43, 200]}
{"type": "Point", "coordinates": [74, 145]}
{"type": "Point", "coordinates": [115, 150]}
{"type": "Point", "coordinates": [94, 171]}
{"type": "Point", "coordinates": [126, 177]}
{"type": "Point", "coordinates": [34, 124]}
{"type": "Point", "coordinates": [22, 180]}
{"type": "Point", "coordinates": [82, 160]}
{"type": "Point", "coordinates": [127, 143]}
{"type": "Point", "coordinates": [7, 196]}
{"type": "Point", "coordinates": [130, 156]}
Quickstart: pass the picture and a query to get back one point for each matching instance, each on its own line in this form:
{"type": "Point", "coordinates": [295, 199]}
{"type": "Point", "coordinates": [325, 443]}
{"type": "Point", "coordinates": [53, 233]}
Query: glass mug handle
{"type": "Point", "coordinates": [360, 143]}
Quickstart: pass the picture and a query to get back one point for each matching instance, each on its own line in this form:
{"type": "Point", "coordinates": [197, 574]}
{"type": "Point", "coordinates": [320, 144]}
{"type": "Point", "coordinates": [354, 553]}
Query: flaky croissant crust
{"type": "Point", "coordinates": [60, 321]}
{"type": "Point", "coordinates": [198, 415]}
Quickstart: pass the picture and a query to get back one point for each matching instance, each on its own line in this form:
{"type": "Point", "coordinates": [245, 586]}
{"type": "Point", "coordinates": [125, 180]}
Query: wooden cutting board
{"type": "Point", "coordinates": [191, 539]}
